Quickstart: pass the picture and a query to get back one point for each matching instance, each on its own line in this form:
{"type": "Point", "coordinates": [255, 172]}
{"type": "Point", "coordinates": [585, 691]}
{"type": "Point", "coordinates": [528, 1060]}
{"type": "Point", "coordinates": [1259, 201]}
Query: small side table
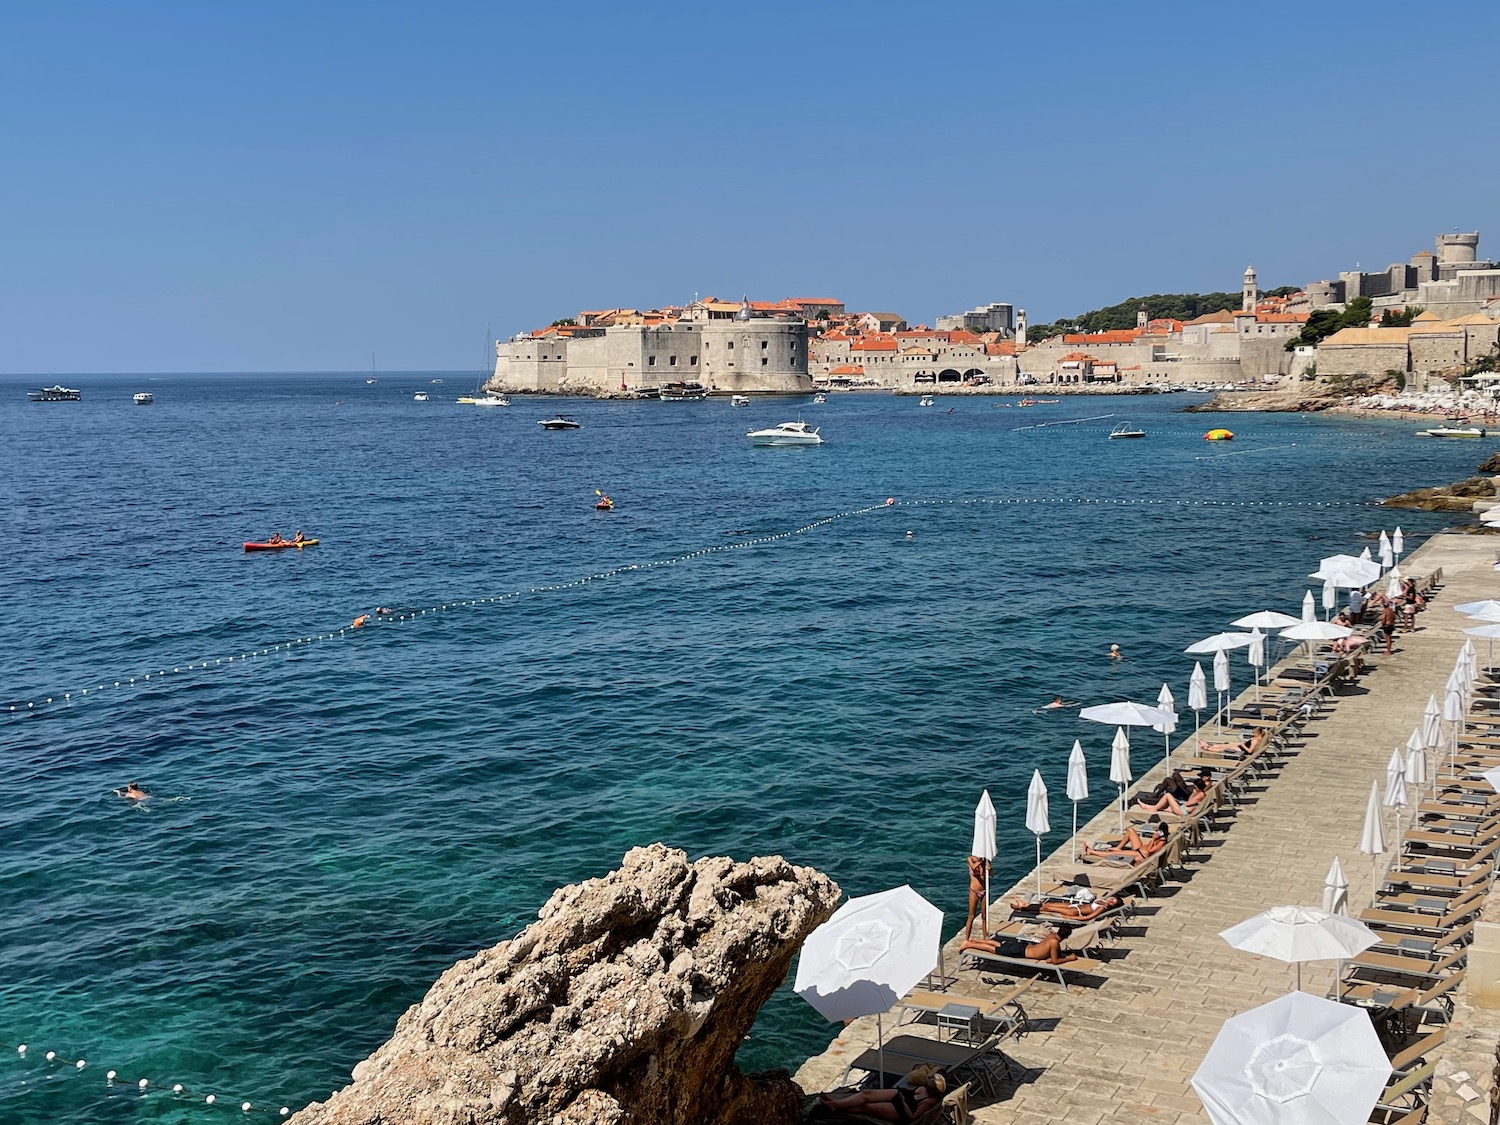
{"type": "Point", "coordinates": [959, 1019]}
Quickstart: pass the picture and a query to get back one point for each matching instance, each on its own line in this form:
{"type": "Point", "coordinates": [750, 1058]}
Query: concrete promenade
{"type": "Point", "coordinates": [1123, 1050]}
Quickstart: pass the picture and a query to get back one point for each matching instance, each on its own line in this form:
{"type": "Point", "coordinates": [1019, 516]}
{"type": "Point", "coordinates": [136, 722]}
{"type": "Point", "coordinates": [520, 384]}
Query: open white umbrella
{"type": "Point", "coordinates": [1218, 642]}
{"type": "Point", "coordinates": [873, 951]}
{"type": "Point", "coordinates": [1299, 1060]}
{"type": "Point", "coordinates": [1221, 682]}
{"type": "Point", "coordinates": [1266, 619]}
{"type": "Point", "coordinates": [1345, 570]}
{"type": "Point", "coordinates": [1314, 631]}
{"type": "Point", "coordinates": [1167, 706]}
{"type": "Point", "coordinates": [984, 847]}
{"type": "Point", "coordinates": [1036, 819]}
{"type": "Point", "coordinates": [1197, 699]}
{"type": "Point", "coordinates": [1119, 767]}
{"type": "Point", "coordinates": [1257, 657]}
{"type": "Point", "coordinates": [1487, 610]}
{"type": "Point", "coordinates": [1299, 933]}
{"type": "Point", "coordinates": [1372, 838]}
{"type": "Point", "coordinates": [1078, 787]}
{"type": "Point", "coordinates": [1489, 633]}
{"type": "Point", "coordinates": [1125, 714]}
{"type": "Point", "coordinates": [1395, 797]}
{"type": "Point", "coordinates": [1309, 610]}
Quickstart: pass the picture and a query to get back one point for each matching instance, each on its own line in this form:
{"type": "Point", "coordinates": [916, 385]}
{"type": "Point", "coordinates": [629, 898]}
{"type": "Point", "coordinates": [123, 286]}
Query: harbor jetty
{"type": "Point", "coordinates": [1122, 1040]}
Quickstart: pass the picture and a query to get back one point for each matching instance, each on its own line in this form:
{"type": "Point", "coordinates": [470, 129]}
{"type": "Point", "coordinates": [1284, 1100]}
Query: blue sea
{"type": "Point", "coordinates": [335, 822]}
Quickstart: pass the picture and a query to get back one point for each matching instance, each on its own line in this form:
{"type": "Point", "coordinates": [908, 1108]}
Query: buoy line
{"type": "Point", "coordinates": [66, 698]}
{"type": "Point", "coordinates": [57, 1064]}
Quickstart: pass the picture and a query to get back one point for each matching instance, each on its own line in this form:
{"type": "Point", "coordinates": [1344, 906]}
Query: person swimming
{"type": "Point", "coordinates": [133, 792]}
{"type": "Point", "coordinates": [382, 611]}
{"type": "Point", "coordinates": [1057, 704]}
{"type": "Point", "coordinates": [359, 622]}
{"type": "Point", "coordinates": [1115, 653]}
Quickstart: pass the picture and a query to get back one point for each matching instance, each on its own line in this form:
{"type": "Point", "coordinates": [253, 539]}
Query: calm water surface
{"type": "Point", "coordinates": [335, 824]}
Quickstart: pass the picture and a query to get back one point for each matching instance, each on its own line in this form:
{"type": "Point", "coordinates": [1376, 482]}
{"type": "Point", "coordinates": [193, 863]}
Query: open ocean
{"type": "Point", "coordinates": [336, 822]}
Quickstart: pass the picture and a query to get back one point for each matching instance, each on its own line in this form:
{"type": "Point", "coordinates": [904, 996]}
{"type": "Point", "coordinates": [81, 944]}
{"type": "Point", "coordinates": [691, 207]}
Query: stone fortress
{"type": "Point", "coordinates": [797, 345]}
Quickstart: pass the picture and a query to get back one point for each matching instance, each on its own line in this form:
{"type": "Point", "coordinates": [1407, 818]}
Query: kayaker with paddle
{"type": "Point", "coordinates": [276, 538]}
{"type": "Point", "coordinates": [298, 537]}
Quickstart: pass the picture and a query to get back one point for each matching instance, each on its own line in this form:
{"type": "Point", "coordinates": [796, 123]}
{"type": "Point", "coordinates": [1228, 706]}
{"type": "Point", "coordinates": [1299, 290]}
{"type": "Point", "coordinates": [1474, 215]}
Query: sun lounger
{"type": "Point", "coordinates": [992, 1015]}
{"type": "Point", "coordinates": [1409, 966]}
{"type": "Point", "coordinates": [1404, 1059]}
{"type": "Point", "coordinates": [902, 1052]}
{"type": "Point", "coordinates": [1405, 1096]}
{"type": "Point", "coordinates": [1425, 942]}
{"type": "Point", "coordinates": [1384, 1000]}
{"type": "Point", "coordinates": [1415, 922]}
{"type": "Point", "coordinates": [994, 961]}
{"type": "Point", "coordinates": [1438, 883]}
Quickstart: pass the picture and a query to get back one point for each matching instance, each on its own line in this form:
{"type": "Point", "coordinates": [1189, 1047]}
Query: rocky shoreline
{"type": "Point", "coordinates": [1460, 496]}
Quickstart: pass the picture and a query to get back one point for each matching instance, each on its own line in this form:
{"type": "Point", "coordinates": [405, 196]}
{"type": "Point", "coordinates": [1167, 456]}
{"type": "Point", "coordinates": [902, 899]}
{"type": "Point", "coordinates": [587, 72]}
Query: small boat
{"type": "Point", "coordinates": [491, 400]}
{"type": "Point", "coordinates": [281, 546]}
{"type": "Point", "coordinates": [420, 396]}
{"type": "Point", "coordinates": [559, 422]}
{"type": "Point", "coordinates": [369, 382]}
{"type": "Point", "coordinates": [1453, 432]}
{"type": "Point", "coordinates": [739, 400]}
{"type": "Point", "coordinates": [55, 394]}
{"type": "Point", "coordinates": [682, 392]}
{"type": "Point", "coordinates": [1124, 430]}
{"type": "Point", "coordinates": [142, 398]}
{"type": "Point", "coordinates": [436, 381]}
{"type": "Point", "coordinates": [926, 401]}
{"type": "Point", "coordinates": [787, 433]}
{"type": "Point", "coordinates": [1218, 435]}
{"type": "Point", "coordinates": [819, 399]}
{"type": "Point", "coordinates": [605, 504]}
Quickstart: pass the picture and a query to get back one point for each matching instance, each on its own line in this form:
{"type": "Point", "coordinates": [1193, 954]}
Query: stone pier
{"type": "Point", "coordinates": [1124, 1050]}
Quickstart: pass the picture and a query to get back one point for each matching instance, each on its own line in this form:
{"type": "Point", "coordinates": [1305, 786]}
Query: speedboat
{"type": "Point", "coordinates": [1452, 431]}
{"type": "Point", "coordinates": [492, 400]}
{"type": "Point", "coordinates": [926, 401]}
{"type": "Point", "coordinates": [143, 398]}
{"type": "Point", "coordinates": [819, 399]}
{"type": "Point", "coordinates": [739, 400]}
{"type": "Point", "coordinates": [420, 396]}
{"type": "Point", "coordinates": [559, 422]}
{"type": "Point", "coordinates": [55, 394]}
{"type": "Point", "coordinates": [1124, 429]}
{"type": "Point", "coordinates": [787, 433]}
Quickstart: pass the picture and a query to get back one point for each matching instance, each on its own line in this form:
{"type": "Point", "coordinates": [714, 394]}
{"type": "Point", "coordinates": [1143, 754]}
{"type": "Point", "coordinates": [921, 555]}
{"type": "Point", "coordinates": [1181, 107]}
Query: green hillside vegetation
{"type": "Point", "coordinates": [1325, 322]}
{"type": "Point", "coordinates": [1159, 306]}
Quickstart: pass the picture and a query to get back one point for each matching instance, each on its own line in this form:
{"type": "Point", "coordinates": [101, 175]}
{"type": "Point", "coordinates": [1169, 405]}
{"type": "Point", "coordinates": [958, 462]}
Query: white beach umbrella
{"type": "Point", "coordinates": [1365, 556]}
{"type": "Point", "coordinates": [1336, 889]}
{"type": "Point", "coordinates": [1314, 631]}
{"type": "Point", "coordinates": [1372, 838]}
{"type": "Point", "coordinates": [873, 951]}
{"type": "Point", "coordinates": [1299, 1060]}
{"type": "Point", "coordinates": [1398, 543]}
{"type": "Point", "coordinates": [1395, 797]}
{"type": "Point", "coordinates": [1218, 642]}
{"type": "Point", "coordinates": [1345, 570]}
{"type": "Point", "coordinates": [1453, 714]}
{"type": "Point", "coordinates": [1309, 608]}
{"type": "Point", "coordinates": [1489, 633]}
{"type": "Point", "coordinates": [1330, 598]}
{"type": "Point", "coordinates": [1488, 609]}
{"type": "Point", "coordinates": [984, 847]}
{"type": "Point", "coordinates": [1119, 767]}
{"type": "Point", "coordinates": [1221, 682]}
{"type": "Point", "coordinates": [1416, 764]}
{"type": "Point", "coordinates": [1036, 819]}
{"type": "Point", "coordinates": [1257, 657]}
{"type": "Point", "coordinates": [1078, 787]}
{"type": "Point", "coordinates": [1384, 548]}
{"type": "Point", "coordinates": [1299, 933]}
{"type": "Point", "coordinates": [1493, 777]}
{"type": "Point", "coordinates": [1125, 714]}
{"type": "Point", "coordinates": [1393, 586]}
{"type": "Point", "coordinates": [1197, 699]}
{"type": "Point", "coordinates": [1167, 706]}
{"type": "Point", "coordinates": [1266, 619]}
{"type": "Point", "coordinates": [1432, 728]}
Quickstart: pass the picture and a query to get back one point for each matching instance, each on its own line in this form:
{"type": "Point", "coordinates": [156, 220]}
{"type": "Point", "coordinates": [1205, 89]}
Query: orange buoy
{"type": "Point", "coordinates": [359, 622]}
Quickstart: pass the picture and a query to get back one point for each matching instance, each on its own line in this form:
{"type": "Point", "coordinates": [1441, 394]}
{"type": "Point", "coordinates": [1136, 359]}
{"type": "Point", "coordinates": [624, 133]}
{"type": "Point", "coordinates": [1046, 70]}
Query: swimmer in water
{"type": "Point", "coordinates": [359, 622]}
{"type": "Point", "coordinates": [132, 792]}
{"type": "Point", "coordinates": [1057, 704]}
{"type": "Point", "coordinates": [1115, 653]}
{"type": "Point", "coordinates": [383, 612]}
{"type": "Point", "coordinates": [909, 535]}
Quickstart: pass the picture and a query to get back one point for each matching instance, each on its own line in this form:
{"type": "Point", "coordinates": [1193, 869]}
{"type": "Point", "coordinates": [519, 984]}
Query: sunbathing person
{"type": "Point", "coordinates": [904, 1103]}
{"type": "Point", "coordinates": [1166, 797]}
{"type": "Point", "coordinates": [1132, 846]}
{"type": "Point", "coordinates": [1048, 948]}
{"type": "Point", "coordinates": [1255, 742]}
{"type": "Point", "coordinates": [1072, 911]}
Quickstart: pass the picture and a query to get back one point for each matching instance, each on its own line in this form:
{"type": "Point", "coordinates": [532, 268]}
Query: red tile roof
{"type": "Point", "coordinates": [848, 369]}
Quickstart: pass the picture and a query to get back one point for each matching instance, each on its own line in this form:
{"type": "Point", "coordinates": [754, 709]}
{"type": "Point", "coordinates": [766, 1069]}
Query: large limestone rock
{"type": "Point", "coordinates": [623, 1004]}
{"type": "Point", "coordinates": [1456, 497]}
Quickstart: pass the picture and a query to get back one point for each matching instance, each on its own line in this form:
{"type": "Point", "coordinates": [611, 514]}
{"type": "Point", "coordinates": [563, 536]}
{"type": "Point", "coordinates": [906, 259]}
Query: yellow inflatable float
{"type": "Point", "coordinates": [1218, 435]}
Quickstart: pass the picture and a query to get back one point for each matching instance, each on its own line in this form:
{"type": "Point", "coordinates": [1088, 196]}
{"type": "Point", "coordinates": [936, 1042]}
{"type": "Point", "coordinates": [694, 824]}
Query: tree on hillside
{"type": "Point", "coordinates": [1159, 306]}
{"type": "Point", "coordinates": [1325, 322]}
{"type": "Point", "coordinates": [1282, 291]}
{"type": "Point", "coordinates": [565, 322]}
{"type": "Point", "coordinates": [1390, 318]}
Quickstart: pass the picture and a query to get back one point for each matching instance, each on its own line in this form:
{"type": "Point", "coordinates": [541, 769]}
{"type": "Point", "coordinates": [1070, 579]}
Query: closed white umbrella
{"type": "Point", "coordinates": [1299, 933]}
{"type": "Point", "coordinates": [1372, 838]}
{"type": "Point", "coordinates": [873, 951]}
{"type": "Point", "coordinates": [1197, 700]}
{"type": "Point", "coordinates": [1398, 543]}
{"type": "Point", "coordinates": [1218, 642]}
{"type": "Point", "coordinates": [1416, 760]}
{"type": "Point", "coordinates": [1119, 767]}
{"type": "Point", "coordinates": [1453, 714]}
{"type": "Point", "coordinates": [1432, 727]}
{"type": "Point", "coordinates": [1299, 1060]}
{"type": "Point", "coordinates": [1336, 889]}
{"type": "Point", "coordinates": [1395, 797]}
{"type": "Point", "coordinates": [1393, 586]}
{"type": "Point", "coordinates": [1365, 556]}
{"type": "Point", "coordinates": [1309, 610]}
{"type": "Point", "coordinates": [1036, 819]}
{"type": "Point", "coordinates": [1078, 787]}
{"type": "Point", "coordinates": [1385, 548]}
{"type": "Point", "coordinates": [1221, 682]}
{"type": "Point", "coordinates": [1257, 657]}
{"type": "Point", "coordinates": [1167, 706]}
{"type": "Point", "coordinates": [1330, 598]}
{"type": "Point", "coordinates": [1266, 619]}
{"type": "Point", "coordinates": [984, 847]}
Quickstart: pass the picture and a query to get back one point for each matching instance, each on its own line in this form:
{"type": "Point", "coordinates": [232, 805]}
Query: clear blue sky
{"type": "Point", "coordinates": [292, 186]}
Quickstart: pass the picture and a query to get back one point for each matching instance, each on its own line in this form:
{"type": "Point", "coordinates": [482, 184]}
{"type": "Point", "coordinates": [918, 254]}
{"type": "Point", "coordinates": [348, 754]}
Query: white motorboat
{"type": "Point", "coordinates": [55, 394]}
{"type": "Point", "coordinates": [420, 396]}
{"type": "Point", "coordinates": [926, 401]}
{"type": "Point", "coordinates": [143, 398]}
{"type": "Point", "coordinates": [819, 399]}
{"type": "Point", "coordinates": [787, 433]}
{"type": "Point", "coordinates": [739, 400]}
{"type": "Point", "coordinates": [492, 400]}
{"type": "Point", "coordinates": [1125, 430]}
{"type": "Point", "coordinates": [1453, 432]}
{"type": "Point", "coordinates": [558, 422]}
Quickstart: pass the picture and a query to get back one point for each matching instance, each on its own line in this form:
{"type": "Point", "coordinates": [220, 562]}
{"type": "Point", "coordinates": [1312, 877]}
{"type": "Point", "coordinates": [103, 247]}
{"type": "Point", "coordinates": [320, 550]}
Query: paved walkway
{"type": "Point", "coordinates": [1124, 1051]}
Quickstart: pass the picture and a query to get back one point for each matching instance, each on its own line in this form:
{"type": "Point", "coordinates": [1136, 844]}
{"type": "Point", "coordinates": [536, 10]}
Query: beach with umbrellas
{"type": "Point", "coordinates": [1271, 920]}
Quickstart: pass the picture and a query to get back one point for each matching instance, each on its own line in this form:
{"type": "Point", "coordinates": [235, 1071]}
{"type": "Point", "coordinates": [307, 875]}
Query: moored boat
{"type": "Point", "coordinates": [491, 400]}
{"type": "Point", "coordinates": [682, 392]}
{"type": "Point", "coordinates": [926, 401]}
{"type": "Point", "coordinates": [787, 433]}
{"type": "Point", "coordinates": [55, 394]}
{"type": "Point", "coordinates": [739, 400]}
{"type": "Point", "coordinates": [1452, 432]}
{"type": "Point", "coordinates": [558, 422]}
{"type": "Point", "coordinates": [819, 399]}
{"type": "Point", "coordinates": [1126, 430]}
{"type": "Point", "coordinates": [142, 398]}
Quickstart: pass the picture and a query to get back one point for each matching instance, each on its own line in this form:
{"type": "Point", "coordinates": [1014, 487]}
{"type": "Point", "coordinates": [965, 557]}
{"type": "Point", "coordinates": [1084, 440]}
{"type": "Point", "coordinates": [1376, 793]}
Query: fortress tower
{"type": "Point", "coordinates": [1456, 249]}
{"type": "Point", "coordinates": [1251, 292]}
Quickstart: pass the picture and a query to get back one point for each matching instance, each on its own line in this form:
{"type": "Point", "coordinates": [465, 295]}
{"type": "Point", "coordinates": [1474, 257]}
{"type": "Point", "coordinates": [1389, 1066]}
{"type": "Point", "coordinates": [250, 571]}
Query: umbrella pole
{"type": "Point", "coordinates": [1075, 831]}
{"type": "Point", "coordinates": [1338, 977]}
{"type": "Point", "coordinates": [1197, 730]}
{"type": "Point", "coordinates": [880, 1043]}
{"type": "Point", "coordinates": [1039, 864]}
{"type": "Point", "coordinates": [1299, 976]}
{"type": "Point", "coordinates": [984, 913]}
{"type": "Point", "coordinates": [1122, 810]}
{"type": "Point", "coordinates": [1166, 740]}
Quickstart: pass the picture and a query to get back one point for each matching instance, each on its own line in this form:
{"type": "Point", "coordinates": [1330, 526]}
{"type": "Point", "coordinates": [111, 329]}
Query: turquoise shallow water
{"type": "Point", "coordinates": [336, 823]}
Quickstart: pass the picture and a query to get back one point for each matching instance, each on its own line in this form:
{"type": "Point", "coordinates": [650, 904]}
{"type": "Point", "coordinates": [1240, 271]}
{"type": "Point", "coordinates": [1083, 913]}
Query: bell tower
{"type": "Point", "coordinates": [1021, 327]}
{"type": "Point", "coordinates": [1251, 292]}
{"type": "Point", "coordinates": [1140, 317]}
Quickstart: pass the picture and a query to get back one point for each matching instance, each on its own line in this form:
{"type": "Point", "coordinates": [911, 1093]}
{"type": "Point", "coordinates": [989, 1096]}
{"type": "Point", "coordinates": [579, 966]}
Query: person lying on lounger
{"type": "Point", "coordinates": [1048, 949]}
{"type": "Point", "coordinates": [1132, 847]}
{"type": "Point", "coordinates": [1255, 742]}
{"type": "Point", "coordinates": [1169, 796]}
{"type": "Point", "coordinates": [1072, 911]}
{"type": "Point", "coordinates": [904, 1103]}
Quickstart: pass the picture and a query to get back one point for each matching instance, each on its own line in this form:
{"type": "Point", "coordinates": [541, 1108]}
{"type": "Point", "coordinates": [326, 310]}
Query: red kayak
{"type": "Point", "coordinates": [268, 546]}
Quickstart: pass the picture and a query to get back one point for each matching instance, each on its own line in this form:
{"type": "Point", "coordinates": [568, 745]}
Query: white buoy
{"type": "Point", "coordinates": [80, 1064]}
{"type": "Point", "coordinates": [245, 1106]}
{"type": "Point", "coordinates": [51, 1055]}
{"type": "Point", "coordinates": [110, 1076]}
{"type": "Point", "coordinates": [21, 1050]}
{"type": "Point", "coordinates": [209, 1100]}
{"type": "Point", "coordinates": [142, 1084]}
{"type": "Point", "coordinates": [177, 1089]}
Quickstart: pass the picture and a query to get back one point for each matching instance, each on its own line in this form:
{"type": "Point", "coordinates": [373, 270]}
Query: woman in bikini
{"type": "Point", "coordinates": [1072, 911]}
{"type": "Point", "coordinates": [1132, 846]}
{"type": "Point", "coordinates": [1048, 948]}
{"type": "Point", "coordinates": [904, 1103]}
{"type": "Point", "coordinates": [1166, 797]}
{"type": "Point", "coordinates": [978, 869]}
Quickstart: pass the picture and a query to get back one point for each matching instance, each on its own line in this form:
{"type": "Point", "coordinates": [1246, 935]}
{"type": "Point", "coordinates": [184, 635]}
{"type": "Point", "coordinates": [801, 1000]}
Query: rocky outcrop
{"type": "Point", "coordinates": [1456, 497]}
{"type": "Point", "coordinates": [1305, 400]}
{"type": "Point", "coordinates": [1490, 464]}
{"type": "Point", "coordinates": [622, 1004]}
